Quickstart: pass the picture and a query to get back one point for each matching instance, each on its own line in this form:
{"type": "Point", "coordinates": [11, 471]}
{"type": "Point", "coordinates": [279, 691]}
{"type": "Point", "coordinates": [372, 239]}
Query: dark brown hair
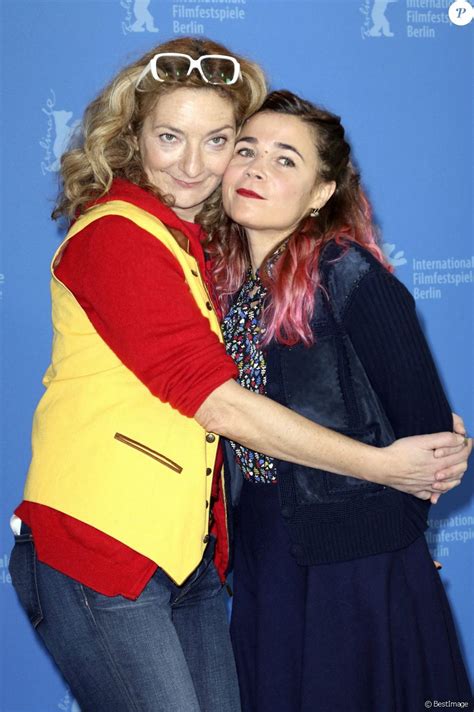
{"type": "Point", "coordinates": [293, 278]}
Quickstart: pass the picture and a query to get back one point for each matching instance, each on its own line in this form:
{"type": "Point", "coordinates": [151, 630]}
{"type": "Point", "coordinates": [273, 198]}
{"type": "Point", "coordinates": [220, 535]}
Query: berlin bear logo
{"type": "Point", "coordinates": [139, 17]}
{"type": "Point", "coordinates": [68, 703]}
{"type": "Point", "coordinates": [64, 133]}
{"type": "Point", "coordinates": [395, 257]}
{"type": "Point", "coordinates": [380, 24]}
{"type": "Point", "coordinates": [60, 131]}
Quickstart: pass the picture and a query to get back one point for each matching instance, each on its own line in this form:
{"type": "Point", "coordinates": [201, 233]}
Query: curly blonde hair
{"type": "Point", "coordinates": [107, 146]}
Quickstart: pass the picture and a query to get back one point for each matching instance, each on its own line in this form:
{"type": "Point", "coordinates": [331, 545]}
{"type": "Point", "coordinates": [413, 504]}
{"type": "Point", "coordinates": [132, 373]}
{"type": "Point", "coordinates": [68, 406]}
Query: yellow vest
{"type": "Point", "coordinates": [108, 452]}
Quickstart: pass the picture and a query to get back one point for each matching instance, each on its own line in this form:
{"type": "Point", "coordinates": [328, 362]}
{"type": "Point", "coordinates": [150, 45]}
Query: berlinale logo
{"type": "Point", "coordinates": [395, 257]}
{"type": "Point", "coordinates": [376, 23]}
{"type": "Point", "coordinates": [138, 17]}
{"type": "Point", "coordinates": [68, 703]}
{"type": "Point", "coordinates": [60, 131]}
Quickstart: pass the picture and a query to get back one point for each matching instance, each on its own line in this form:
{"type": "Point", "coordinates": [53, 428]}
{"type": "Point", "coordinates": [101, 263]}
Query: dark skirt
{"type": "Point", "coordinates": [369, 635]}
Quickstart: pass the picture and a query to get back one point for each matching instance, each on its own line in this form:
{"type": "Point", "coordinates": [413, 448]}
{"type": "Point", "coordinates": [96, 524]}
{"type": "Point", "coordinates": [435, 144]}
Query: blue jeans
{"type": "Point", "coordinates": [167, 651]}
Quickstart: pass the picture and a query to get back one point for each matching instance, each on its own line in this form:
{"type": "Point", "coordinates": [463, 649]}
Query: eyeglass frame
{"type": "Point", "coordinates": [193, 64]}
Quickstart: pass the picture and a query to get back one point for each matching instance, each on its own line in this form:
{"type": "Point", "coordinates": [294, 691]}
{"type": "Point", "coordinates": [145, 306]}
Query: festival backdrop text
{"type": "Point", "coordinates": [399, 72]}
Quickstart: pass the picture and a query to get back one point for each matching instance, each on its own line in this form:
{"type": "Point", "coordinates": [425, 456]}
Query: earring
{"type": "Point", "coordinates": [314, 212]}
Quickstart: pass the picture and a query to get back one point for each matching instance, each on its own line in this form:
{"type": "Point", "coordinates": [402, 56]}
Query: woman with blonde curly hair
{"type": "Point", "coordinates": [122, 540]}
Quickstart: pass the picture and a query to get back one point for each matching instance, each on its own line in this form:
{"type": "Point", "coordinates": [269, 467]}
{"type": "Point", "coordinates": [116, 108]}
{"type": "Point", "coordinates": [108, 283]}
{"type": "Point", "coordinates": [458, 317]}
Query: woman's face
{"type": "Point", "coordinates": [185, 145]}
{"type": "Point", "coordinates": [271, 182]}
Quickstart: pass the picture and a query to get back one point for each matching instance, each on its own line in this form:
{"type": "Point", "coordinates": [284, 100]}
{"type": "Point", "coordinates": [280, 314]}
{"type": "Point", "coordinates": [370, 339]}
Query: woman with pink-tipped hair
{"type": "Point", "coordinates": [338, 605]}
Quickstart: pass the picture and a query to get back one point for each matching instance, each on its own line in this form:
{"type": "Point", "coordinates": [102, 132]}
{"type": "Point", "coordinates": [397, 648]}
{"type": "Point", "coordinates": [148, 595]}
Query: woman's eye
{"type": "Point", "coordinates": [287, 162]}
{"type": "Point", "coordinates": [219, 140]}
{"type": "Point", "coordinates": [245, 152]}
{"type": "Point", "coordinates": [168, 138]}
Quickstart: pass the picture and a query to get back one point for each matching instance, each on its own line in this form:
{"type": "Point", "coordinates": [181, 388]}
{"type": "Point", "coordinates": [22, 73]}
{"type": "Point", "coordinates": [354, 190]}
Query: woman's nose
{"type": "Point", "coordinates": [255, 170]}
{"type": "Point", "coordinates": [259, 165]}
{"type": "Point", "coordinates": [191, 161]}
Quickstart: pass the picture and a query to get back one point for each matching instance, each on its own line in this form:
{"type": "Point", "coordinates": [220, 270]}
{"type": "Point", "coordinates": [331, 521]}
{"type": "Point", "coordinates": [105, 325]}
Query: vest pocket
{"type": "Point", "coordinates": [158, 456]}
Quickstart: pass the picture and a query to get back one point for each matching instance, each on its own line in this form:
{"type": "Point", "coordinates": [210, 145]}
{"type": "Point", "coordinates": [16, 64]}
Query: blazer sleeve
{"type": "Point", "coordinates": [383, 326]}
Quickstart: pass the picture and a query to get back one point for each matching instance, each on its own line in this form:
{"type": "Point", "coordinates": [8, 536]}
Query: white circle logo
{"type": "Point", "coordinates": [461, 12]}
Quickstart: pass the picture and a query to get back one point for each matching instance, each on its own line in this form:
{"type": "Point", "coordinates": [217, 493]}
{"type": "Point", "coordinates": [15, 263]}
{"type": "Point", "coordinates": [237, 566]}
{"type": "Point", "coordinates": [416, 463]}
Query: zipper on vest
{"type": "Point", "coordinates": [158, 456]}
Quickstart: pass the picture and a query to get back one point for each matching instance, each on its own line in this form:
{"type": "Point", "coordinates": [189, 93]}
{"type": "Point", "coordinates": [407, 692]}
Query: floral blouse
{"type": "Point", "coordinates": [241, 331]}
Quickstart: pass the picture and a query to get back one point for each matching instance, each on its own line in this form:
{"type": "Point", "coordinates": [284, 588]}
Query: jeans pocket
{"type": "Point", "coordinates": [24, 578]}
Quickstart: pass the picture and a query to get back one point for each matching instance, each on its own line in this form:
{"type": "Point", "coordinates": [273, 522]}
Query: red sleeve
{"type": "Point", "coordinates": [135, 294]}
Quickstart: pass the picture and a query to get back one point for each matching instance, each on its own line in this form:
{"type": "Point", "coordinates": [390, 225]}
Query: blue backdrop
{"type": "Point", "coordinates": [400, 74]}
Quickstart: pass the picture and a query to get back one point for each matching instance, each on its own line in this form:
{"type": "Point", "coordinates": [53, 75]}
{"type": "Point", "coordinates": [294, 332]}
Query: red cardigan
{"type": "Point", "coordinates": [134, 293]}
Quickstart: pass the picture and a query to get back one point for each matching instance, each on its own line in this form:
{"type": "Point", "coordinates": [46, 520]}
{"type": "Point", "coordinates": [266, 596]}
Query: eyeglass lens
{"type": "Point", "coordinates": [172, 67]}
{"type": "Point", "coordinates": [216, 71]}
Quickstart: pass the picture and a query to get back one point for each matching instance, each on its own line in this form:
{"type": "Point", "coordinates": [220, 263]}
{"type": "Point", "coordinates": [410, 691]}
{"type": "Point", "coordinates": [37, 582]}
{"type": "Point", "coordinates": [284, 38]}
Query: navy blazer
{"type": "Point", "coordinates": [332, 517]}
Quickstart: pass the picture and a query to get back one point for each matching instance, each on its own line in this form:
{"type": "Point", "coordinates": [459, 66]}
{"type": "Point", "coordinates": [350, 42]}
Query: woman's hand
{"type": "Point", "coordinates": [458, 427]}
{"type": "Point", "coordinates": [427, 465]}
{"type": "Point", "coordinates": [458, 424]}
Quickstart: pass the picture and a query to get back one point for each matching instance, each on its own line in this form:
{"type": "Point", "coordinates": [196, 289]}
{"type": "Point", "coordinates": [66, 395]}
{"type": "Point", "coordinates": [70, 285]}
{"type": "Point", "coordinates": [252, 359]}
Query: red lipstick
{"type": "Point", "coordinates": [249, 194]}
